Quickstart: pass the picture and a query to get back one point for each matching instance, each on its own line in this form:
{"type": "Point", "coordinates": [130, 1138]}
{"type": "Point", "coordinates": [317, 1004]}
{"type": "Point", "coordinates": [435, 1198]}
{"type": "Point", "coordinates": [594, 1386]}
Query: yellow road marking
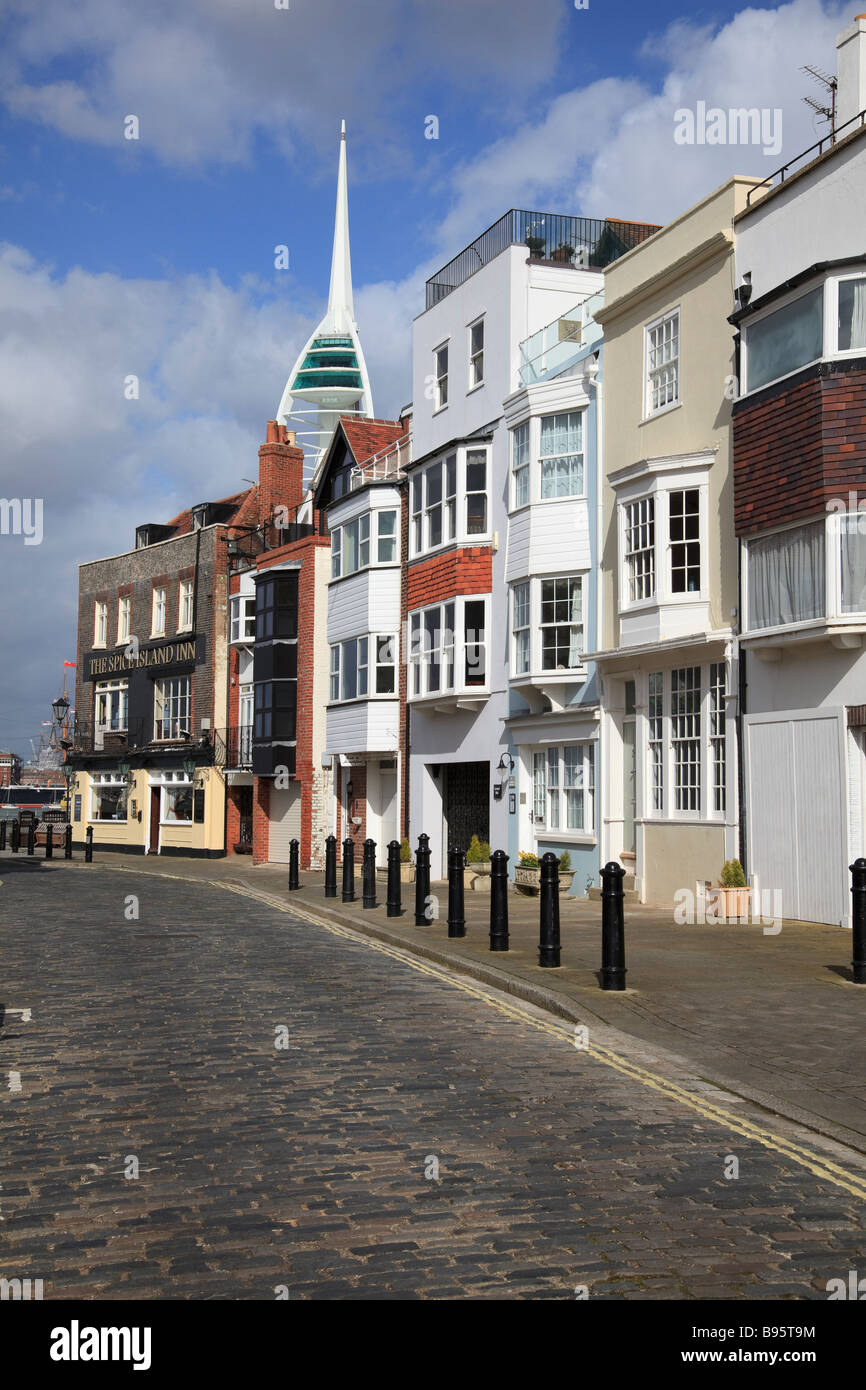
{"type": "Point", "coordinates": [817, 1164]}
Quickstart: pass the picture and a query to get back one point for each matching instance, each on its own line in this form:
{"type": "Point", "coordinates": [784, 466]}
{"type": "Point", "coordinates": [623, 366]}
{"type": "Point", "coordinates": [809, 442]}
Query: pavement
{"type": "Point", "coordinates": [773, 1016]}
{"type": "Point", "coordinates": [212, 1091]}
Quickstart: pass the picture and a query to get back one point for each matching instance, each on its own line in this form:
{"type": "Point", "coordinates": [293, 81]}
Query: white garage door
{"type": "Point", "coordinates": [285, 822]}
{"type": "Point", "coordinates": [795, 797]}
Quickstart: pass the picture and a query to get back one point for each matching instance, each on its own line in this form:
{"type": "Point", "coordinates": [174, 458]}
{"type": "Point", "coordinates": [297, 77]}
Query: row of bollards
{"type": "Point", "coordinates": [613, 969]}
{"type": "Point", "coordinates": [15, 840]}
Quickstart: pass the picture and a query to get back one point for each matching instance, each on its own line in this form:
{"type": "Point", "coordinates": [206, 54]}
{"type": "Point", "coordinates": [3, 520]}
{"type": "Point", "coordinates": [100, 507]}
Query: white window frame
{"type": "Point", "coordinates": [175, 785]}
{"type": "Point", "coordinates": [109, 781]}
{"type": "Point", "coordinates": [521, 631]}
{"type": "Point", "coordinates": [158, 606]}
{"type": "Point", "coordinates": [124, 619]}
{"type": "Point", "coordinates": [242, 610]}
{"type": "Point", "coordinates": [184, 605]}
{"type": "Point", "coordinates": [475, 355]}
{"type": "Point", "coordinates": [654, 491]}
{"type": "Point", "coordinates": [663, 739]}
{"type": "Point", "coordinates": [550, 458]}
{"type": "Point", "coordinates": [368, 540]}
{"type": "Point", "coordinates": [367, 648]}
{"type": "Point", "coordinates": [430, 636]}
{"type": "Point", "coordinates": [105, 689]}
{"type": "Point", "coordinates": [521, 464]}
{"type": "Point", "coordinates": [179, 701]}
{"type": "Point", "coordinates": [654, 372]}
{"type": "Point", "coordinates": [440, 378]}
{"type": "Point", "coordinates": [536, 670]}
{"type": "Point", "coordinates": [829, 283]}
{"type": "Point", "coordinates": [556, 772]}
{"type": "Point", "coordinates": [100, 623]}
{"type": "Point", "coordinates": [451, 466]}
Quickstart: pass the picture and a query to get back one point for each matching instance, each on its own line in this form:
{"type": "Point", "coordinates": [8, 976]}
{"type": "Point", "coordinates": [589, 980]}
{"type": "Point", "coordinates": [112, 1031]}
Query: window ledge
{"type": "Point", "coordinates": [565, 837]}
{"type": "Point", "coordinates": [448, 702]}
{"type": "Point", "coordinates": [846, 633]}
{"type": "Point", "coordinates": [664, 410]}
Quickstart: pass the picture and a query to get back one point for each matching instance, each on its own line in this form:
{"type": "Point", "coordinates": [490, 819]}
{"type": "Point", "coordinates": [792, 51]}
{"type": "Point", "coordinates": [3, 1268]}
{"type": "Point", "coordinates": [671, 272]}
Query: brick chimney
{"type": "Point", "coordinates": [851, 70]}
{"type": "Point", "coordinates": [281, 471]}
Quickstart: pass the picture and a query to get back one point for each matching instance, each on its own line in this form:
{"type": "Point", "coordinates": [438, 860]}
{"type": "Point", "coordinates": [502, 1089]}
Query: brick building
{"type": "Point", "coordinates": [10, 768]}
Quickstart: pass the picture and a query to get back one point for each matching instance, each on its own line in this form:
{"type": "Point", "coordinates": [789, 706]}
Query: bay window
{"type": "Point", "coordinates": [351, 543]}
{"type": "Point", "coordinates": [434, 517]}
{"type": "Point", "coordinates": [386, 537]}
{"type": "Point", "coordinates": [785, 339]}
{"type": "Point", "coordinates": [520, 464]}
{"type": "Point", "coordinates": [640, 546]}
{"type": "Point", "coordinates": [684, 521]}
{"type": "Point", "coordinates": [350, 667]}
{"type": "Point", "coordinates": [448, 647]}
{"type": "Point", "coordinates": [561, 455]}
{"type": "Point", "coordinates": [851, 325]}
{"type": "Point", "coordinates": [786, 576]}
{"type": "Point", "coordinates": [520, 628]}
{"type": "Point", "coordinates": [561, 623]}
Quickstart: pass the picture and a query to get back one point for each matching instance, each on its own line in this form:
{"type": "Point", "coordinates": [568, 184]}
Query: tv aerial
{"type": "Point", "coordinates": [826, 110]}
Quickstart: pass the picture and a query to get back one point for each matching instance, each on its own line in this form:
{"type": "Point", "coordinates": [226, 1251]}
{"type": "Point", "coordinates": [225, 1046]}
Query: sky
{"type": "Point", "coordinates": [155, 256]}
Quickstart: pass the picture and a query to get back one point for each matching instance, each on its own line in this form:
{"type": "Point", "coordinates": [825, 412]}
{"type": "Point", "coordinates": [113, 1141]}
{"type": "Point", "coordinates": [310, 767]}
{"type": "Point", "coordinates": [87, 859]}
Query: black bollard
{"type": "Point", "coordinates": [395, 906]}
{"type": "Point", "coordinates": [67, 843]}
{"type": "Point", "coordinates": [49, 842]}
{"type": "Point", "coordinates": [499, 900]}
{"type": "Point", "coordinates": [348, 871]}
{"type": "Point", "coordinates": [858, 920]}
{"type": "Point", "coordinates": [2, 834]}
{"type": "Point", "coordinates": [368, 874]}
{"type": "Point", "coordinates": [88, 845]}
{"type": "Point", "coordinates": [294, 881]}
{"type": "Point", "coordinates": [331, 866]}
{"type": "Point", "coordinates": [613, 927]}
{"type": "Point", "coordinates": [16, 836]}
{"type": "Point", "coordinates": [422, 881]}
{"type": "Point", "coordinates": [548, 945]}
{"type": "Point", "coordinates": [31, 837]}
{"type": "Point", "coordinates": [456, 906]}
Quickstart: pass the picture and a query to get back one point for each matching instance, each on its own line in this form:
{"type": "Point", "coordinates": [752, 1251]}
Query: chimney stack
{"type": "Point", "coordinates": [851, 71]}
{"type": "Point", "coordinates": [281, 471]}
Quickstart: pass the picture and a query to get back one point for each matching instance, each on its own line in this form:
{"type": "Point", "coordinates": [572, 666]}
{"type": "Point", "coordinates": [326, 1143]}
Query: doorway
{"type": "Point", "coordinates": [466, 803]}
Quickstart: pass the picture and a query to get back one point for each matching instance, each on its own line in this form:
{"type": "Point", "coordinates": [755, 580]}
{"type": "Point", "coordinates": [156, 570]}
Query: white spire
{"type": "Point", "coordinates": [341, 309]}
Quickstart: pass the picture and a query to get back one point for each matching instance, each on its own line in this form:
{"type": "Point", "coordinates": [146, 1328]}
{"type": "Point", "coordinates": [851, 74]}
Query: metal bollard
{"type": "Point", "coordinates": [499, 900]}
{"type": "Point", "coordinates": [368, 874]}
{"type": "Point", "coordinates": [548, 946]}
{"type": "Point", "coordinates": [422, 881]}
{"type": "Point", "coordinates": [88, 845]}
{"type": "Point", "coordinates": [49, 842]}
{"type": "Point", "coordinates": [613, 927]}
{"type": "Point", "coordinates": [67, 843]}
{"type": "Point", "coordinates": [331, 866]}
{"type": "Point", "coordinates": [858, 920]}
{"type": "Point", "coordinates": [16, 836]}
{"type": "Point", "coordinates": [31, 837]}
{"type": "Point", "coordinates": [456, 905]}
{"type": "Point", "coordinates": [2, 834]}
{"type": "Point", "coordinates": [395, 906]}
{"type": "Point", "coordinates": [348, 870]}
{"type": "Point", "coordinates": [294, 881]}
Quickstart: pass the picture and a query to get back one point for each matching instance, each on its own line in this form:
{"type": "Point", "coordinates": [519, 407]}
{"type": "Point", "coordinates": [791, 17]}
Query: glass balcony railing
{"type": "Point", "coordinates": [556, 346]}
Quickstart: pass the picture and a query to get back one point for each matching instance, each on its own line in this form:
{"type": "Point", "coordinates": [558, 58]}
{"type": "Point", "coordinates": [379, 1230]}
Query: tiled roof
{"type": "Point", "coordinates": [369, 437]}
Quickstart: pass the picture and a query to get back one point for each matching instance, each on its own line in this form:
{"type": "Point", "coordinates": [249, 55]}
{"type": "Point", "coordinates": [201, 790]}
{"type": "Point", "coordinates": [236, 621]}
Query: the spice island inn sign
{"type": "Point", "coordinates": [189, 652]}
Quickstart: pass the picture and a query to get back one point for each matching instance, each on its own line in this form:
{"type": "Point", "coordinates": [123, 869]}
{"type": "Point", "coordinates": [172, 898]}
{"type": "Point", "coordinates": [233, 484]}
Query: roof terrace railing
{"type": "Point", "coordinates": [386, 466]}
{"type": "Point", "coordinates": [553, 348]}
{"type": "Point", "coordinates": [589, 241]}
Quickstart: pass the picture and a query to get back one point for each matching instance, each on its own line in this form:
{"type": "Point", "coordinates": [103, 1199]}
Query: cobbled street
{"type": "Point", "coordinates": [289, 1093]}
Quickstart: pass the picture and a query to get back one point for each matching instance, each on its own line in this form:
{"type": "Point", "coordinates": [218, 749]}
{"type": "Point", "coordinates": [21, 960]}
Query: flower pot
{"type": "Point", "coordinates": [566, 879]}
{"type": "Point", "coordinates": [730, 903]}
{"type": "Point", "coordinates": [527, 880]}
{"type": "Point", "coordinates": [407, 872]}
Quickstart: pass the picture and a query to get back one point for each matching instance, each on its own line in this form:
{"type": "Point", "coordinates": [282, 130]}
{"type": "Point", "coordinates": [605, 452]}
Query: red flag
{"type": "Point", "coordinates": [69, 663]}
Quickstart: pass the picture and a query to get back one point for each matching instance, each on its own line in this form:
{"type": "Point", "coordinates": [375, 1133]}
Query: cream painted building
{"type": "Point", "coordinates": [668, 663]}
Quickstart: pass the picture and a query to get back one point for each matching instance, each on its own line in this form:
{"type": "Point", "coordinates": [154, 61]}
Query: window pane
{"type": "Point", "coordinates": [786, 576]}
{"type": "Point", "coordinates": [785, 340]}
{"type": "Point", "coordinates": [684, 519]}
{"type": "Point", "coordinates": [474, 642]}
{"type": "Point", "coordinates": [852, 314]}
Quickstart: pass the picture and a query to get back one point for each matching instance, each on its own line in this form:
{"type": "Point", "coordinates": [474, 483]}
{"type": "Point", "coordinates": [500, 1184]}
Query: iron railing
{"type": "Point", "coordinates": [233, 748]}
{"type": "Point", "coordinates": [782, 172]}
{"type": "Point", "coordinates": [589, 241]}
{"type": "Point", "coordinates": [139, 736]}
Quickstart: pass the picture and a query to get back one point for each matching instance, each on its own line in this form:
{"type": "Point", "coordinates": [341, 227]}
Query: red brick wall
{"type": "Point", "coordinates": [357, 807]}
{"type": "Point", "coordinates": [233, 819]}
{"type": "Point", "coordinates": [281, 468]}
{"type": "Point", "coordinates": [464, 570]}
{"type": "Point", "coordinates": [261, 811]}
{"type": "Point", "coordinates": [798, 446]}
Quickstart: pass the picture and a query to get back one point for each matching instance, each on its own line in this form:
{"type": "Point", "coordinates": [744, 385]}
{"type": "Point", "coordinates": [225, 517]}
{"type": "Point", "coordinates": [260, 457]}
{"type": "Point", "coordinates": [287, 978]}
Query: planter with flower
{"type": "Point", "coordinates": [407, 868]}
{"type": "Point", "coordinates": [476, 873]}
{"type": "Point", "coordinates": [527, 872]}
{"type": "Point", "coordinates": [733, 897]}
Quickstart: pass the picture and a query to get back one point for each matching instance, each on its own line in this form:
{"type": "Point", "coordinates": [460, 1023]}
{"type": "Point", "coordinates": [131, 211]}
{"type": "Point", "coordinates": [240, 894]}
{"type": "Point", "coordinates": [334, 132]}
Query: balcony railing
{"type": "Point", "coordinates": [386, 466]}
{"type": "Point", "coordinates": [799, 161]}
{"type": "Point", "coordinates": [233, 748]}
{"type": "Point", "coordinates": [554, 237]}
{"type": "Point", "coordinates": [140, 735]}
{"type": "Point", "coordinates": [553, 348]}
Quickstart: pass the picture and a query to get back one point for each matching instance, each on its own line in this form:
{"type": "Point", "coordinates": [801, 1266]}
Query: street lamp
{"type": "Point", "coordinates": [189, 767]}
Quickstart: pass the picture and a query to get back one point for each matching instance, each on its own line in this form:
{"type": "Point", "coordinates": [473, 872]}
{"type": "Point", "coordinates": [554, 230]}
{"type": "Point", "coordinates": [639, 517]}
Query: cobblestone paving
{"type": "Point", "coordinates": [308, 1166]}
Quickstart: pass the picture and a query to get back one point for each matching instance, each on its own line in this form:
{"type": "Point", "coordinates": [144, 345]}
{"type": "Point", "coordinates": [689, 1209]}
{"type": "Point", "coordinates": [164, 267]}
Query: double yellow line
{"type": "Point", "coordinates": [817, 1163]}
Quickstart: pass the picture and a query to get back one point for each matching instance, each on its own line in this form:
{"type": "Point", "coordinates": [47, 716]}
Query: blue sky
{"type": "Point", "coordinates": [155, 256]}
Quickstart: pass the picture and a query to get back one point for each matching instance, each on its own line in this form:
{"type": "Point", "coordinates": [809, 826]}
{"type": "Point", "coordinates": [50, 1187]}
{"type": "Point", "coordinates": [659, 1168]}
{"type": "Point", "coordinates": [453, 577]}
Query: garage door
{"type": "Point", "coordinates": [285, 822]}
{"type": "Point", "coordinates": [795, 797]}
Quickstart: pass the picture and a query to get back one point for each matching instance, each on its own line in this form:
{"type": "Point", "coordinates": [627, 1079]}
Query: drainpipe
{"type": "Point", "coordinates": [594, 379]}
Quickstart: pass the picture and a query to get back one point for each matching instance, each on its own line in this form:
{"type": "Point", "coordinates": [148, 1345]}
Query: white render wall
{"type": "Point", "coordinates": [360, 726]}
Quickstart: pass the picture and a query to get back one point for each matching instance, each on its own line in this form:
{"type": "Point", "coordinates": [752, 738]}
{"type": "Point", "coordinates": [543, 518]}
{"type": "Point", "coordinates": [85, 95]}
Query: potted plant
{"type": "Point", "coordinates": [477, 866]}
{"type": "Point", "coordinates": [566, 872]}
{"type": "Point", "coordinates": [564, 252]}
{"type": "Point", "coordinates": [733, 897]}
{"type": "Point", "coordinates": [407, 868]}
{"type": "Point", "coordinates": [536, 245]}
{"type": "Point", "coordinates": [526, 872]}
